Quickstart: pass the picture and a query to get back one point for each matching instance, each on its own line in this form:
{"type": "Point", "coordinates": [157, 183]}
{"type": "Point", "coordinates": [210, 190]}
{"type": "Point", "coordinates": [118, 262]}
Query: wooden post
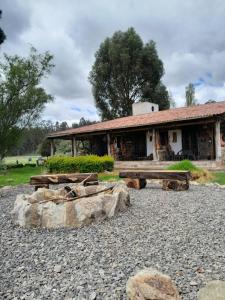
{"type": "Point", "coordinates": [217, 140]}
{"type": "Point", "coordinates": [52, 147]}
{"type": "Point", "coordinates": [73, 147]}
{"type": "Point", "coordinates": [108, 144]}
{"type": "Point", "coordinates": [154, 144]}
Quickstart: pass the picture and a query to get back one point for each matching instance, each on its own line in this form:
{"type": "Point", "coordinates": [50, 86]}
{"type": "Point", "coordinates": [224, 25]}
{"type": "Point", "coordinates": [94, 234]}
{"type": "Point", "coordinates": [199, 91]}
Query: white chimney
{"type": "Point", "coordinates": [140, 108]}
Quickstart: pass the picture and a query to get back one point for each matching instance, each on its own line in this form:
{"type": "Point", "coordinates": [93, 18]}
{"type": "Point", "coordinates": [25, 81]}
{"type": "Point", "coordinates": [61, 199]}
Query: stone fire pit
{"type": "Point", "coordinates": [60, 208]}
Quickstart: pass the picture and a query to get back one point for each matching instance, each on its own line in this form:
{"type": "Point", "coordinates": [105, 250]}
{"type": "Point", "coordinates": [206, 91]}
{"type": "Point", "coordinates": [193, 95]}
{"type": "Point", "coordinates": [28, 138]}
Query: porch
{"type": "Point", "coordinates": [211, 165]}
{"type": "Point", "coordinates": [198, 141]}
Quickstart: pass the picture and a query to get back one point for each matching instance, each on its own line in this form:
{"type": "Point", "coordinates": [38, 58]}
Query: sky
{"type": "Point", "coordinates": [189, 37]}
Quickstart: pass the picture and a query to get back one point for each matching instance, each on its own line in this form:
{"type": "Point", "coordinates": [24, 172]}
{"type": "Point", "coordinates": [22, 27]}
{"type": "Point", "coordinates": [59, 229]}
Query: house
{"type": "Point", "coordinates": [196, 133]}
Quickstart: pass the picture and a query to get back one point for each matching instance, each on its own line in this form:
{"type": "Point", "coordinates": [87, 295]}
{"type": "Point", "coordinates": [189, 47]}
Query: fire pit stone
{"type": "Point", "coordinates": [60, 208]}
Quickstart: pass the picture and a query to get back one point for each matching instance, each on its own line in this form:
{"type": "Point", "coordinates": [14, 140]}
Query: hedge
{"type": "Point", "coordinates": [20, 165]}
{"type": "Point", "coordinates": [82, 164]}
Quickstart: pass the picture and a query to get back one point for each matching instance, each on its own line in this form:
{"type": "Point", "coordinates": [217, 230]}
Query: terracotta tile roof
{"type": "Point", "coordinates": [154, 118]}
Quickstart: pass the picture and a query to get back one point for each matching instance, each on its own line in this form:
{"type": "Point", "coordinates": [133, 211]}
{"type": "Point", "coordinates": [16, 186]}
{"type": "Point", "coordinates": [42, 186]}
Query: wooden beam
{"type": "Point", "coordinates": [108, 144]}
{"type": "Point", "coordinates": [217, 141]}
{"type": "Point", "coordinates": [63, 178]}
{"type": "Point", "coordinates": [73, 146]}
{"type": "Point", "coordinates": [157, 174]}
{"type": "Point", "coordinates": [52, 147]}
{"type": "Point", "coordinates": [154, 144]}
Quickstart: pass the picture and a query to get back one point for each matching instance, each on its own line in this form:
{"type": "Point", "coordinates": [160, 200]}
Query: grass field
{"type": "Point", "coordinates": [22, 175]}
{"type": "Point", "coordinates": [219, 177]}
{"type": "Point", "coordinates": [19, 176]}
{"type": "Point", "coordinates": [21, 159]}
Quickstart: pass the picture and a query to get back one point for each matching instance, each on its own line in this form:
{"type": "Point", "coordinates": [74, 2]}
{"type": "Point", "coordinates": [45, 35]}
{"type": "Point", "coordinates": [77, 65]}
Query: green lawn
{"type": "Point", "coordinates": [219, 177]}
{"type": "Point", "coordinates": [19, 176]}
{"type": "Point", "coordinates": [108, 177]}
{"type": "Point", "coordinates": [22, 175]}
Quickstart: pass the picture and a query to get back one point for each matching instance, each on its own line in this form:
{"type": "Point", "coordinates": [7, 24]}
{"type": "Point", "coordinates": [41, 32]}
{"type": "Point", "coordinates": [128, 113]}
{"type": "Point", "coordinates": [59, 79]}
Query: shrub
{"type": "Point", "coordinates": [30, 165]}
{"type": "Point", "coordinates": [197, 173]}
{"type": "Point", "coordinates": [185, 165]}
{"type": "Point", "coordinates": [82, 164]}
{"type": "Point", "coordinates": [14, 166]}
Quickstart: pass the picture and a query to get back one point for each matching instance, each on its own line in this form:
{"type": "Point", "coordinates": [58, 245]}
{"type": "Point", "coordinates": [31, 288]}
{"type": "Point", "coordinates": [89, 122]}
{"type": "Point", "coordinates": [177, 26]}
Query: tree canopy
{"type": "Point", "coordinates": [2, 34]}
{"type": "Point", "coordinates": [21, 97]}
{"type": "Point", "coordinates": [126, 71]}
{"type": "Point", "coordinates": [190, 95]}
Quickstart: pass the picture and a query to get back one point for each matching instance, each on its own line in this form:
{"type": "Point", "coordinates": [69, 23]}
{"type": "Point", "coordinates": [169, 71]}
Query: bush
{"type": "Point", "coordinates": [30, 165]}
{"type": "Point", "coordinates": [197, 173]}
{"type": "Point", "coordinates": [14, 166]}
{"type": "Point", "coordinates": [185, 165]}
{"type": "Point", "coordinates": [82, 164]}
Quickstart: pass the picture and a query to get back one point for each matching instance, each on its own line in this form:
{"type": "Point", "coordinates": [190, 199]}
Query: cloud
{"type": "Point", "coordinates": [188, 35]}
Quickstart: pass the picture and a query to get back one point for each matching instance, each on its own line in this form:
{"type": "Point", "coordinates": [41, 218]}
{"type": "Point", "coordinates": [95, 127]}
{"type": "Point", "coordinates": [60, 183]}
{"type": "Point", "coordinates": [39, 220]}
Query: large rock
{"type": "Point", "coordinates": [214, 290]}
{"type": "Point", "coordinates": [31, 211]}
{"type": "Point", "coordinates": [151, 285]}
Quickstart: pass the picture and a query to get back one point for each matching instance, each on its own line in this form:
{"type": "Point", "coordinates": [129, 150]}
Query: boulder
{"type": "Point", "coordinates": [214, 290]}
{"type": "Point", "coordinates": [151, 285]}
{"type": "Point", "coordinates": [37, 210]}
{"type": "Point", "coordinates": [175, 185]}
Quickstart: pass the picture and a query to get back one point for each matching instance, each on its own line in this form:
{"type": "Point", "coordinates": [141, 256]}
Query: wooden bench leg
{"type": "Point", "coordinates": [175, 185]}
{"type": "Point", "coordinates": [137, 183]}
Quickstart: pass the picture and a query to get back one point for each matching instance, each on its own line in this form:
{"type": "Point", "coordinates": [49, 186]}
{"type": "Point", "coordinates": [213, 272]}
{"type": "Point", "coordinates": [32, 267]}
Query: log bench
{"type": "Point", "coordinates": [172, 180]}
{"type": "Point", "coordinates": [41, 181]}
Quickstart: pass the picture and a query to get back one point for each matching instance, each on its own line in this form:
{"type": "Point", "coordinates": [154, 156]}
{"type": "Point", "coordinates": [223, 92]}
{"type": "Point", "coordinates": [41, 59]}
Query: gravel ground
{"type": "Point", "coordinates": [179, 233]}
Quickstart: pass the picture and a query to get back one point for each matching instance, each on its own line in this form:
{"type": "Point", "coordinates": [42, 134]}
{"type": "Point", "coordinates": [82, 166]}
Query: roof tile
{"type": "Point", "coordinates": [154, 118]}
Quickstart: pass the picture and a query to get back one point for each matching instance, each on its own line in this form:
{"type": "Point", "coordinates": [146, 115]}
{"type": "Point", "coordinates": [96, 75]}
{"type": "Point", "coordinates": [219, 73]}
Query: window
{"type": "Point", "coordinates": [150, 138]}
{"type": "Point", "coordinates": [174, 140]}
{"type": "Point", "coordinates": [153, 108]}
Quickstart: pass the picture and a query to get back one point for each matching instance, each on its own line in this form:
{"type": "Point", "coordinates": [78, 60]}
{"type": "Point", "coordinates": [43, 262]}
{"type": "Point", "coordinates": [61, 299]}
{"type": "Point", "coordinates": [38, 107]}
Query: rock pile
{"type": "Point", "coordinates": [42, 208]}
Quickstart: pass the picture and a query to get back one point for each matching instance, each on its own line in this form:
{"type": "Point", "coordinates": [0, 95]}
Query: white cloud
{"type": "Point", "coordinates": [189, 37]}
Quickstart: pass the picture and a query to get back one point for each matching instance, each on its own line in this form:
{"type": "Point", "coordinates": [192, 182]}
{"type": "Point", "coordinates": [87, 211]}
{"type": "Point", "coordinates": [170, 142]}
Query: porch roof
{"type": "Point", "coordinates": [155, 118]}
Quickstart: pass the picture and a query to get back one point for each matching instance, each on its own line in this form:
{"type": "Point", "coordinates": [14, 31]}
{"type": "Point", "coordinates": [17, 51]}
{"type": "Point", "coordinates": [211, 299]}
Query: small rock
{"type": "Point", "coordinates": [93, 296]}
{"type": "Point", "coordinates": [150, 284]}
{"type": "Point", "coordinates": [214, 290]}
{"type": "Point", "coordinates": [193, 283]}
{"type": "Point", "coordinates": [57, 268]}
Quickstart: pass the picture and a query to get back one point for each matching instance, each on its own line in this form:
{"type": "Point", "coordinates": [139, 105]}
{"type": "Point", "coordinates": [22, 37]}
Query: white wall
{"type": "Point", "coordinates": [178, 145]}
{"type": "Point", "coordinates": [144, 108]}
{"type": "Point", "coordinates": [149, 144]}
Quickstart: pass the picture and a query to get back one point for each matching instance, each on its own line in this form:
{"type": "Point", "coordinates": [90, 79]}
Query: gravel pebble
{"type": "Point", "coordinates": [181, 234]}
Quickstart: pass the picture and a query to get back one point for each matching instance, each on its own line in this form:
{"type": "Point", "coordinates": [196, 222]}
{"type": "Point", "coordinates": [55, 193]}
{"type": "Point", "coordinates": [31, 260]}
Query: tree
{"type": "Point", "coordinates": [172, 101]}
{"type": "Point", "coordinates": [21, 97]}
{"type": "Point", "coordinates": [210, 101]}
{"type": "Point", "coordinates": [45, 148]}
{"type": "Point", "coordinates": [190, 95]}
{"type": "Point", "coordinates": [126, 71]}
{"type": "Point", "coordinates": [83, 122]}
{"type": "Point", "coordinates": [2, 34]}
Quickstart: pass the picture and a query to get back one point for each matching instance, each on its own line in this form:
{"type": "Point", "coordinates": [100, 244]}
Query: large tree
{"type": "Point", "coordinates": [2, 34]}
{"type": "Point", "coordinates": [21, 97]}
{"type": "Point", "coordinates": [126, 71]}
{"type": "Point", "coordinates": [190, 95]}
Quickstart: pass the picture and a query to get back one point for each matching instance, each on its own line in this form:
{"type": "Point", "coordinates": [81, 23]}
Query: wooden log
{"type": "Point", "coordinates": [157, 174]}
{"type": "Point", "coordinates": [59, 200]}
{"type": "Point", "coordinates": [175, 185]}
{"type": "Point", "coordinates": [63, 178]}
{"type": "Point", "coordinates": [135, 183]}
{"type": "Point", "coordinates": [91, 183]}
{"type": "Point", "coordinates": [41, 186]}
